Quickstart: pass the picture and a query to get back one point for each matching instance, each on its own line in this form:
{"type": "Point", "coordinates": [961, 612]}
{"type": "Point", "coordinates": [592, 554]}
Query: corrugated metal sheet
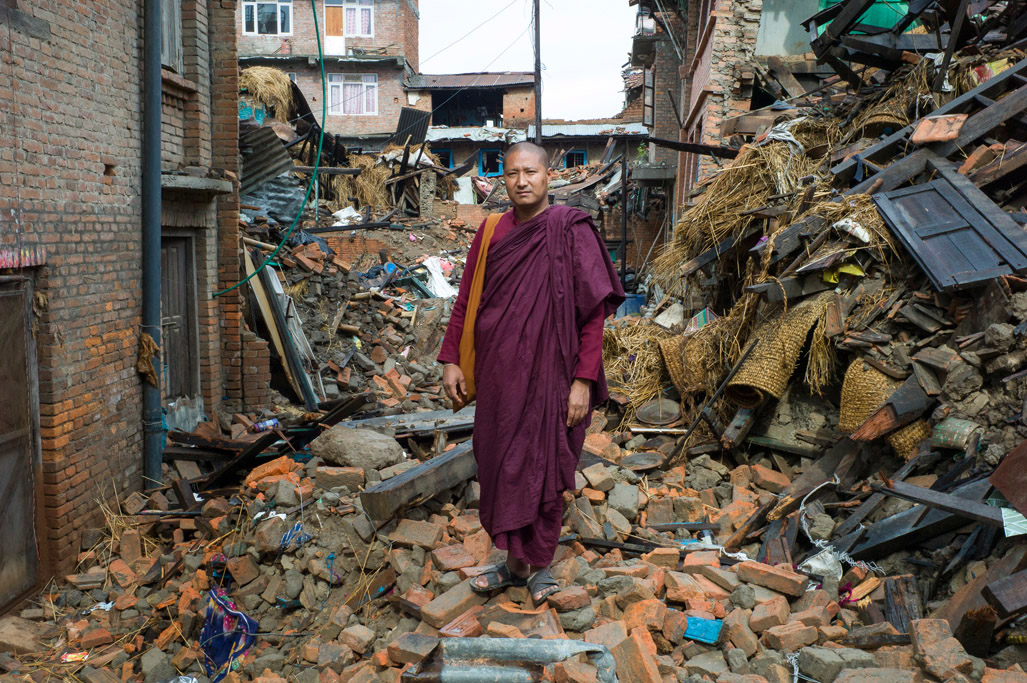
{"type": "Point", "coordinates": [485, 79]}
{"type": "Point", "coordinates": [476, 134]}
{"type": "Point", "coordinates": [412, 123]}
{"type": "Point", "coordinates": [263, 157]}
{"type": "Point", "coordinates": [588, 129]}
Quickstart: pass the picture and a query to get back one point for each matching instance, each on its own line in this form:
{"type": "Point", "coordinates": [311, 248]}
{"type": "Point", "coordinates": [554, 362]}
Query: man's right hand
{"type": "Point", "coordinates": [455, 385]}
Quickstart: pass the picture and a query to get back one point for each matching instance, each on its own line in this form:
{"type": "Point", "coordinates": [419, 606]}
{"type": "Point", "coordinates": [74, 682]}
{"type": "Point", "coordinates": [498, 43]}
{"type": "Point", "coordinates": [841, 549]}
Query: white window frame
{"type": "Point", "coordinates": [358, 5]}
{"type": "Point", "coordinates": [280, 5]}
{"type": "Point", "coordinates": [338, 80]}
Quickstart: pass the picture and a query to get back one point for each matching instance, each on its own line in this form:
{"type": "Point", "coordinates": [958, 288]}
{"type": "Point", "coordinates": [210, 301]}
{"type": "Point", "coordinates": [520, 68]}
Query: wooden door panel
{"type": "Point", "coordinates": [19, 564]}
{"type": "Point", "coordinates": [948, 226]}
{"type": "Point", "coordinates": [333, 21]}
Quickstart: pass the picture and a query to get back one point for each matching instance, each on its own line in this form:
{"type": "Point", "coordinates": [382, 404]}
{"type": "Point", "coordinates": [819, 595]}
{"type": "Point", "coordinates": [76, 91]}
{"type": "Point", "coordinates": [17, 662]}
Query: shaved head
{"type": "Point", "coordinates": [529, 148]}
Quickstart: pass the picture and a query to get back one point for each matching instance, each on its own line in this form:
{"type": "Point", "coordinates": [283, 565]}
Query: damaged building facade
{"type": "Point", "coordinates": [70, 259]}
{"type": "Point", "coordinates": [370, 49]}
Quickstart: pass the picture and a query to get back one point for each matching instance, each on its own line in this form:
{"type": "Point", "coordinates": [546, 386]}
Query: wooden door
{"type": "Point", "coordinates": [954, 231]}
{"type": "Point", "coordinates": [19, 560]}
{"type": "Point", "coordinates": [178, 318]}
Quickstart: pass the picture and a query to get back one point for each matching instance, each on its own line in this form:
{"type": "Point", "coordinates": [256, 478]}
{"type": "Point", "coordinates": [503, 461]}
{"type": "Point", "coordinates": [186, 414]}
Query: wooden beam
{"type": "Point", "coordinates": [711, 255]}
{"type": "Point", "coordinates": [328, 170]}
{"type": "Point", "coordinates": [695, 148]}
{"type": "Point", "coordinates": [870, 505]}
{"type": "Point", "coordinates": [946, 502]}
{"type": "Point", "coordinates": [420, 483]}
{"type": "Point", "coordinates": [1008, 595]}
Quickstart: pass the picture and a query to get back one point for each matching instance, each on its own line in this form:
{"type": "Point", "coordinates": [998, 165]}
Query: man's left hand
{"type": "Point", "coordinates": [577, 403]}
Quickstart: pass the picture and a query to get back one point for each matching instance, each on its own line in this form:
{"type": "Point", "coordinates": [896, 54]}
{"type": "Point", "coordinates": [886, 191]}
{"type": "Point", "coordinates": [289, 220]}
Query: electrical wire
{"type": "Point", "coordinates": [313, 176]}
{"type": "Point", "coordinates": [436, 54]}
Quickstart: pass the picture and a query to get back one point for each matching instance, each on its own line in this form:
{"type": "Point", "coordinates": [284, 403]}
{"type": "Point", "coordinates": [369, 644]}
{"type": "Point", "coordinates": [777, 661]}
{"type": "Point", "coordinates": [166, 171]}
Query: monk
{"type": "Point", "coordinates": [549, 284]}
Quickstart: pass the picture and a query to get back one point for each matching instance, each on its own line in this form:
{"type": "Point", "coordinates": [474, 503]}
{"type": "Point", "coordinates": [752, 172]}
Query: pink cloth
{"type": "Point", "coordinates": [590, 351]}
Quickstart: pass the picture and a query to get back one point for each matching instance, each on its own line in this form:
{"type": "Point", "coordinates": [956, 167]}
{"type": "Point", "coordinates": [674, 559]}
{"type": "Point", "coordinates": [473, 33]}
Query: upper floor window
{"type": "Point", "coordinates": [267, 17]}
{"type": "Point", "coordinates": [358, 17]}
{"type": "Point", "coordinates": [352, 94]}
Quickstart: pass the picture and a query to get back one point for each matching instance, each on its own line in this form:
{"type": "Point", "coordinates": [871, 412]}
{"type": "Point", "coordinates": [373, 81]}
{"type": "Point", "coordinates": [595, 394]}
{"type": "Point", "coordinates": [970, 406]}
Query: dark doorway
{"type": "Point", "coordinates": [19, 559]}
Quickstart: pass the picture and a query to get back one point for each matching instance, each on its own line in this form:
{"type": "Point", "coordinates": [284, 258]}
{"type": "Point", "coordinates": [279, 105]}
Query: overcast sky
{"type": "Point", "coordinates": [584, 45]}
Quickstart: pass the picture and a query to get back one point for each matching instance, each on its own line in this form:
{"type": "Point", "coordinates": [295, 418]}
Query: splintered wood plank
{"type": "Point", "coordinates": [1007, 163]}
{"type": "Point", "coordinates": [911, 526]}
{"type": "Point", "coordinates": [979, 512]}
{"type": "Point", "coordinates": [1008, 595]}
{"type": "Point", "coordinates": [902, 601]}
{"type": "Point", "coordinates": [970, 596]}
{"type": "Point", "coordinates": [870, 505]}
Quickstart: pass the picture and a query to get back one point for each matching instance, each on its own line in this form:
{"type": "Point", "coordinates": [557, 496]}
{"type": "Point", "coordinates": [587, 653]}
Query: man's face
{"type": "Point", "coordinates": [526, 178]}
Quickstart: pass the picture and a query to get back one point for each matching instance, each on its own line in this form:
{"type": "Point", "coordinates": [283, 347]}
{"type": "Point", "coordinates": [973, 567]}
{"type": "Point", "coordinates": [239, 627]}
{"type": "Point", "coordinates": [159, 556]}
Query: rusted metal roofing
{"type": "Point", "coordinates": [485, 79]}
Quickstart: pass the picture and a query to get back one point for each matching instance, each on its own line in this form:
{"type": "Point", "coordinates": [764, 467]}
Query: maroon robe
{"type": "Point", "coordinates": [542, 281]}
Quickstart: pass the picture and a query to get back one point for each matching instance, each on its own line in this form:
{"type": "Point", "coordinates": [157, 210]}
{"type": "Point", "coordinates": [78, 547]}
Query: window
{"type": "Point", "coordinates": [358, 17]}
{"type": "Point", "coordinates": [445, 157]}
{"type": "Point", "coordinates": [267, 17]}
{"type": "Point", "coordinates": [352, 94]}
{"type": "Point", "coordinates": [490, 163]}
{"type": "Point", "coordinates": [292, 76]}
{"type": "Point", "coordinates": [171, 35]}
{"type": "Point", "coordinates": [575, 157]}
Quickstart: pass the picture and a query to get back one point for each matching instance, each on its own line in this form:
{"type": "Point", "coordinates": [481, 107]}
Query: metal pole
{"type": "Point", "coordinates": [151, 201]}
{"type": "Point", "coordinates": [624, 214]}
{"type": "Point", "coordinates": [538, 75]}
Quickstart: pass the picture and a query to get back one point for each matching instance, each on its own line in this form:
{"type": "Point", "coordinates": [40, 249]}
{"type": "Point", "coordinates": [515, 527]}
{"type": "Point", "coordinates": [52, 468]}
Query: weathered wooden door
{"type": "Point", "coordinates": [179, 348]}
{"type": "Point", "coordinates": [19, 560]}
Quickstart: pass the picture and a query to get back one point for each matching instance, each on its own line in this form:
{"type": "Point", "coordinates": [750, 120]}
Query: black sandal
{"type": "Point", "coordinates": [498, 576]}
{"type": "Point", "coordinates": [542, 582]}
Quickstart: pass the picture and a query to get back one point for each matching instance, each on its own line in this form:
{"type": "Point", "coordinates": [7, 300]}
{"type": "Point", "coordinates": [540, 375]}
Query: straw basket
{"type": "Point", "coordinates": [889, 115]}
{"type": "Point", "coordinates": [771, 364]}
{"type": "Point", "coordinates": [672, 350]}
{"type": "Point", "coordinates": [864, 390]}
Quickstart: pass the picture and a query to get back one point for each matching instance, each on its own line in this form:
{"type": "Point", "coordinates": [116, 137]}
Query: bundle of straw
{"type": "Point", "coordinates": [758, 173]}
{"type": "Point", "coordinates": [368, 187]}
{"type": "Point", "coordinates": [632, 360]}
{"type": "Point", "coordinates": [271, 87]}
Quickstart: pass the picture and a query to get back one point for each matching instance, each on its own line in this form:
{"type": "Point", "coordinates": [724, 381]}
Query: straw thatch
{"type": "Point", "coordinates": [270, 87]}
{"type": "Point", "coordinates": [368, 187]}
{"type": "Point", "coordinates": [758, 173]}
{"type": "Point", "coordinates": [633, 362]}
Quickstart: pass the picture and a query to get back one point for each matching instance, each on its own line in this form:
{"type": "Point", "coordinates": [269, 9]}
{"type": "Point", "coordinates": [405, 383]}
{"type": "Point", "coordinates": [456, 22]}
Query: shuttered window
{"type": "Point", "coordinates": [171, 35]}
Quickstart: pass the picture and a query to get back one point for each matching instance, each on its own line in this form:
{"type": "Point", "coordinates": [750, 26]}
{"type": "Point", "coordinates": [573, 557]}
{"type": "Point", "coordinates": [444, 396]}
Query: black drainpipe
{"type": "Point", "coordinates": [152, 423]}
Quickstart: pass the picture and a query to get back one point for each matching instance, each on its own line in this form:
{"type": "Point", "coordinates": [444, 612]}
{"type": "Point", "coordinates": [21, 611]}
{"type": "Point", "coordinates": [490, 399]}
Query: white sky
{"type": "Point", "coordinates": [584, 45]}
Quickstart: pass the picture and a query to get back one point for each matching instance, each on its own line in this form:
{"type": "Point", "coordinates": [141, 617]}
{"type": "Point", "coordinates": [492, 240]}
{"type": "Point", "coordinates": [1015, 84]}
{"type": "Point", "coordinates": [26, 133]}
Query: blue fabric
{"type": "Point", "coordinates": [227, 635]}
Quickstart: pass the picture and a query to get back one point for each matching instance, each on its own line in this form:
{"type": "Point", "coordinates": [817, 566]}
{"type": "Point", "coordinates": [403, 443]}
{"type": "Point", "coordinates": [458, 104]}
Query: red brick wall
{"type": "Point", "coordinates": [69, 180]}
{"type": "Point", "coordinates": [519, 107]}
{"type": "Point", "coordinates": [641, 234]}
{"type": "Point", "coordinates": [667, 64]}
{"type": "Point", "coordinates": [391, 98]}
{"type": "Point", "coordinates": [70, 106]}
{"type": "Point", "coordinates": [350, 249]}
{"type": "Point", "coordinates": [719, 80]}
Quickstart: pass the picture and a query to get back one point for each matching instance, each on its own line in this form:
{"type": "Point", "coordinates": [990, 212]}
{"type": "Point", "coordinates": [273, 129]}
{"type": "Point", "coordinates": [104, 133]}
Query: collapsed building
{"type": "Point", "coordinates": [810, 466]}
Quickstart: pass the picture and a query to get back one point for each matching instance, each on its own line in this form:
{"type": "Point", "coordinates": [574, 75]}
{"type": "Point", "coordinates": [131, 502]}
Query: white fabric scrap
{"type": "Point", "coordinates": [437, 283]}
